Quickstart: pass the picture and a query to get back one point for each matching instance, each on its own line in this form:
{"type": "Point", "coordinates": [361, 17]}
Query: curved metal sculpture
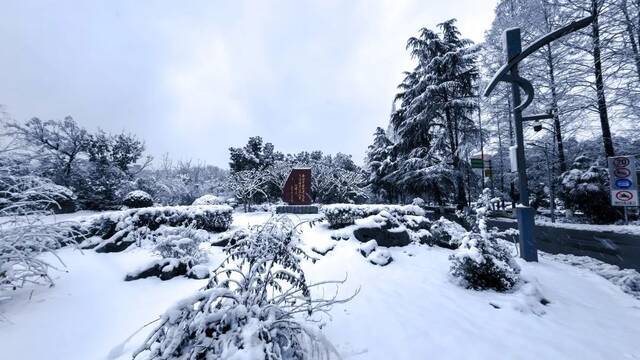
{"type": "Point", "coordinates": [501, 74]}
{"type": "Point", "coordinates": [509, 73]}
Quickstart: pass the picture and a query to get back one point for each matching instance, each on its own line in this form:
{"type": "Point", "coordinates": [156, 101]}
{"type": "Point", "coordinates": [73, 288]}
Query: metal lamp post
{"type": "Point", "coordinates": [509, 73]}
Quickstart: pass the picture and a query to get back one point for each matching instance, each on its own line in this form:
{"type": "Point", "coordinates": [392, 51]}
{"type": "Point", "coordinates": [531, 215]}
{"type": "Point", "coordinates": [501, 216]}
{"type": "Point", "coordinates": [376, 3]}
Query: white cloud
{"type": "Point", "coordinates": [193, 78]}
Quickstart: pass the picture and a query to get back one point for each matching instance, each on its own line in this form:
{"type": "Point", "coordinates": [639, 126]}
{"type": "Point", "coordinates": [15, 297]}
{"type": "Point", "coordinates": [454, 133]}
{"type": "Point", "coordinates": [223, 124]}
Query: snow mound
{"type": "Point", "coordinates": [368, 247]}
{"type": "Point", "coordinates": [324, 247]}
{"type": "Point", "coordinates": [627, 279]}
{"type": "Point", "coordinates": [208, 199]}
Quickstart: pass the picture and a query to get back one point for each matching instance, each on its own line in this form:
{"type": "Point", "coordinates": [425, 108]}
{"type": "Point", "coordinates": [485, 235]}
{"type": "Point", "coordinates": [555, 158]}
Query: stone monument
{"type": "Point", "coordinates": [297, 193]}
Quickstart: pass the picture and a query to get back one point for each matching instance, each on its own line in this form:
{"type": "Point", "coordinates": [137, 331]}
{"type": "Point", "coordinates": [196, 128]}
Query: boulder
{"type": "Point", "coordinates": [385, 235]}
{"type": "Point", "coordinates": [118, 242]}
{"type": "Point", "coordinates": [165, 269]}
{"type": "Point", "coordinates": [380, 257]}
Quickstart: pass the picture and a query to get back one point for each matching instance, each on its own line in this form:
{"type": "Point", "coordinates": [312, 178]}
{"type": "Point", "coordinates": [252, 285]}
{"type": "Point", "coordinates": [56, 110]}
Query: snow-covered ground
{"type": "Point", "coordinates": [409, 309]}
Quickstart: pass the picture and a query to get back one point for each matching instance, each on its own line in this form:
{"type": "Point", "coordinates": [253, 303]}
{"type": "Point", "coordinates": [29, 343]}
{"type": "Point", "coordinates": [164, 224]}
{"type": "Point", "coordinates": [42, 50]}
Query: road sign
{"type": "Point", "coordinates": [624, 183]}
{"type": "Point", "coordinates": [623, 180]}
{"type": "Point", "coordinates": [477, 163]}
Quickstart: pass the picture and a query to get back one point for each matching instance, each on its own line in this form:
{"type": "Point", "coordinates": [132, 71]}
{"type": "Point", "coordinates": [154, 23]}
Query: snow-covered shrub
{"type": "Point", "coordinates": [446, 233]}
{"type": "Point", "coordinates": [482, 261]}
{"type": "Point", "coordinates": [137, 199]}
{"type": "Point", "coordinates": [183, 248]}
{"type": "Point", "coordinates": [251, 307]}
{"type": "Point", "coordinates": [24, 236]}
{"type": "Point", "coordinates": [63, 200]}
{"type": "Point", "coordinates": [587, 190]}
{"type": "Point", "coordinates": [122, 228]}
{"type": "Point", "coordinates": [341, 215]}
{"type": "Point", "coordinates": [418, 202]}
{"type": "Point", "coordinates": [208, 199]}
{"type": "Point", "coordinates": [180, 252]}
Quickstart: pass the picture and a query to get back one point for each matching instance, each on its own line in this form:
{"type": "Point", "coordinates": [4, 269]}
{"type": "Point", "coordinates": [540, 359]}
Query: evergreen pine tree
{"type": "Point", "coordinates": [438, 100]}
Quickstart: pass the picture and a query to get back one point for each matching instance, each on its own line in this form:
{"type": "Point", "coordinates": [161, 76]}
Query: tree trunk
{"type": "Point", "coordinates": [461, 197]}
{"type": "Point", "coordinates": [632, 37]}
{"type": "Point", "coordinates": [602, 102]}
{"type": "Point", "coordinates": [556, 117]}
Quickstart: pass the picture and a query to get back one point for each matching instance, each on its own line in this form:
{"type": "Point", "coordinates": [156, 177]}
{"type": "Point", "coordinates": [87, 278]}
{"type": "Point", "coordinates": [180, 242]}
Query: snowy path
{"type": "Point", "coordinates": [406, 310]}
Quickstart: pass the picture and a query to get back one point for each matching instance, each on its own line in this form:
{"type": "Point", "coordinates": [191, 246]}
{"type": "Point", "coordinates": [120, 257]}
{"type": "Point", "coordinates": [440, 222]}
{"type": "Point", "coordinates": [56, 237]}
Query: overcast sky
{"type": "Point", "coordinates": [194, 77]}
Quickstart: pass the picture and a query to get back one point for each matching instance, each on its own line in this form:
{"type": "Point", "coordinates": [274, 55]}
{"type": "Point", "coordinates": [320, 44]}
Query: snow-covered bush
{"type": "Point", "coordinates": [418, 202]}
{"type": "Point", "coordinates": [482, 261]}
{"type": "Point", "coordinates": [208, 199]}
{"type": "Point", "coordinates": [63, 200]}
{"type": "Point", "coordinates": [587, 190]}
{"type": "Point", "coordinates": [24, 236]}
{"type": "Point", "coordinates": [180, 252]}
{"type": "Point", "coordinates": [250, 308]}
{"type": "Point", "coordinates": [180, 248]}
{"type": "Point", "coordinates": [123, 228]}
{"type": "Point", "coordinates": [341, 215]}
{"type": "Point", "coordinates": [137, 199]}
{"type": "Point", "coordinates": [446, 233]}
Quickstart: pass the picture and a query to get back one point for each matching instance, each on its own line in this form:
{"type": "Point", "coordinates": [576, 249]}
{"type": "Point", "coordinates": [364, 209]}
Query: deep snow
{"type": "Point", "coordinates": [409, 309]}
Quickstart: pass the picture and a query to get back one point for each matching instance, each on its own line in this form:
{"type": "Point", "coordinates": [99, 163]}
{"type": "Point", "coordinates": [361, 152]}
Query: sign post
{"type": "Point", "coordinates": [623, 181]}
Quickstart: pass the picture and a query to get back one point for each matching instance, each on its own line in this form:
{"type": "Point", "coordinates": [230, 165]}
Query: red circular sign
{"type": "Point", "coordinates": [621, 172]}
{"type": "Point", "coordinates": [621, 162]}
{"type": "Point", "coordinates": [624, 195]}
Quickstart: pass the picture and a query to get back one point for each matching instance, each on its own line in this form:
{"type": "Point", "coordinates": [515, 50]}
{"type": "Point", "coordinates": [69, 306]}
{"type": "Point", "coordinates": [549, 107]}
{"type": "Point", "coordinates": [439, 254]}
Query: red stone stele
{"type": "Point", "coordinates": [297, 189]}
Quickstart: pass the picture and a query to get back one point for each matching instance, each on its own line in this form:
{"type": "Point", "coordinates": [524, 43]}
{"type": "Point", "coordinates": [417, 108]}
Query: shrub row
{"type": "Point", "coordinates": [116, 227]}
{"type": "Point", "coordinates": [341, 215]}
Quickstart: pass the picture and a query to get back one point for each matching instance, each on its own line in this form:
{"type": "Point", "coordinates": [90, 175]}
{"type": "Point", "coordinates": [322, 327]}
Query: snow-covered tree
{"type": "Point", "coordinates": [585, 187]}
{"type": "Point", "coordinates": [438, 99]}
{"type": "Point", "coordinates": [482, 261]}
{"type": "Point", "coordinates": [25, 236]}
{"type": "Point", "coordinates": [255, 155]}
{"type": "Point", "coordinates": [380, 163]}
{"type": "Point", "coordinates": [246, 185]}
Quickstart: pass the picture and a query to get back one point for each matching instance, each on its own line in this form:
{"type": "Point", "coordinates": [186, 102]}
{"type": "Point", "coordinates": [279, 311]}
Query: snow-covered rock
{"type": "Point", "coordinates": [368, 247]}
{"type": "Point", "coordinates": [324, 247]}
{"type": "Point", "coordinates": [381, 257]}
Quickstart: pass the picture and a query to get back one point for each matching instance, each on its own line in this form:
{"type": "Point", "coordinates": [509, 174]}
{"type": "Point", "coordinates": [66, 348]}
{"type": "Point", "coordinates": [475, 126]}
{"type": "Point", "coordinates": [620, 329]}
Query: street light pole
{"type": "Point", "coordinates": [524, 212]}
{"type": "Point", "coordinates": [509, 73]}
